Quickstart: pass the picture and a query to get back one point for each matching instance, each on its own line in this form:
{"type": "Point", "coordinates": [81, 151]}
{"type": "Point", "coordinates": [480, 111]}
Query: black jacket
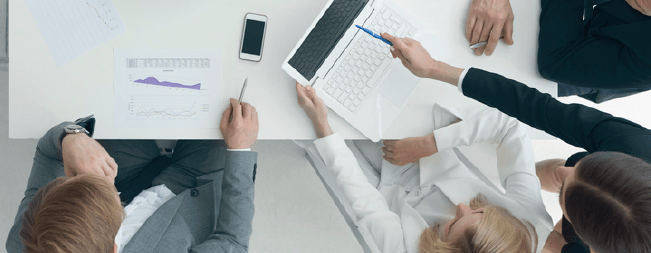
{"type": "Point", "coordinates": [577, 125]}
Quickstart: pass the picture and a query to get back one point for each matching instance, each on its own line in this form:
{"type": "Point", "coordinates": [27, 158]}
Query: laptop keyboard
{"type": "Point", "coordinates": [326, 33]}
{"type": "Point", "coordinates": [349, 84]}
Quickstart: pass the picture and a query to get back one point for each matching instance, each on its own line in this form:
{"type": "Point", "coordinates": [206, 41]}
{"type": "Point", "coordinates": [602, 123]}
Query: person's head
{"type": "Point", "coordinates": [480, 228]}
{"type": "Point", "coordinates": [607, 199]}
{"type": "Point", "coordinates": [643, 6]}
{"type": "Point", "coordinates": [80, 214]}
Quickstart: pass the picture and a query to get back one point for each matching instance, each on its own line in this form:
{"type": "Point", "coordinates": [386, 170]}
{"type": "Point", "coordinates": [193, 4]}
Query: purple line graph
{"type": "Point", "coordinates": [154, 81]}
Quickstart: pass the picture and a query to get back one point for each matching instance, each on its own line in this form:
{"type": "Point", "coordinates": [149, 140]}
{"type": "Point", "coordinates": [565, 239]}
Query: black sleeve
{"type": "Point", "coordinates": [577, 125]}
{"type": "Point", "coordinates": [600, 63]}
{"type": "Point", "coordinates": [609, 53]}
{"type": "Point", "coordinates": [574, 242]}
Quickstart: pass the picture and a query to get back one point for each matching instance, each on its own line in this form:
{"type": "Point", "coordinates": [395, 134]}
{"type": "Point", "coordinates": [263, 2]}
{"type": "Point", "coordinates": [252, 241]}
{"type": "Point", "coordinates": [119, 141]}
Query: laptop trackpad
{"type": "Point", "coordinates": [398, 85]}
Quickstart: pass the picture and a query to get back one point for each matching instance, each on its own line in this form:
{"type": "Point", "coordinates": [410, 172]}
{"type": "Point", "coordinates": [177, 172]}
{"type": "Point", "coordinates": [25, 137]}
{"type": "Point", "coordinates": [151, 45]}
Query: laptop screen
{"type": "Point", "coordinates": [326, 33]}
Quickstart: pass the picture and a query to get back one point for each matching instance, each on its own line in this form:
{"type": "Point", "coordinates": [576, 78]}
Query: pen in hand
{"type": "Point", "coordinates": [243, 89]}
{"type": "Point", "coordinates": [239, 101]}
{"type": "Point", "coordinates": [375, 35]}
{"type": "Point", "coordinates": [478, 45]}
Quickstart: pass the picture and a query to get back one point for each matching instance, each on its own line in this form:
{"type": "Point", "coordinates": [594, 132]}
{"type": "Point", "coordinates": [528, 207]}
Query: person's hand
{"type": "Point", "coordinates": [555, 240]}
{"type": "Point", "coordinates": [314, 108]}
{"type": "Point", "coordinates": [241, 131]}
{"type": "Point", "coordinates": [412, 54]}
{"type": "Point", "coordinates": [409, 150]}
{"type": "Point", "coordinates": [84, 155]}
{"type": "Point", "coordinates": [488, 20]}
{"type": "Point", "coordinates": [552, 174]}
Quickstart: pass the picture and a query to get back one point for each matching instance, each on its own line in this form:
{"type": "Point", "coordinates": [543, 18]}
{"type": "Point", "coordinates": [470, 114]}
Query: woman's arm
{"type": "Point", "coordinates": [368, 205]}
{"type": "Point", "coordinates": [575, 124]}
{"type": "Point", "coordinates": [370, 209]}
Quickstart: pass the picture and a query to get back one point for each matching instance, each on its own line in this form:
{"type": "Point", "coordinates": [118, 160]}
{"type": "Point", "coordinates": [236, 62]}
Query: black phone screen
{"type": "Point", "coordinates": [253, 33]}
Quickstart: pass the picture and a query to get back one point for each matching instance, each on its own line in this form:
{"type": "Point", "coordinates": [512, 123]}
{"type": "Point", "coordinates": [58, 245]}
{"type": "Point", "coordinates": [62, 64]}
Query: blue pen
{"type": "Point", "coordinates": [375, 35]}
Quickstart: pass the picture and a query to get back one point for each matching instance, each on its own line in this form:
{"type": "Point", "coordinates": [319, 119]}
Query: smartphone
{"type": "Point", "coordinates": [255, 27]}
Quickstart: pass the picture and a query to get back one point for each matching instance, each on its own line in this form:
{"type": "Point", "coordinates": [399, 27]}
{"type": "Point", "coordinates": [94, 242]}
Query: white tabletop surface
{"type": "Point", "coordinates": [42, 94]}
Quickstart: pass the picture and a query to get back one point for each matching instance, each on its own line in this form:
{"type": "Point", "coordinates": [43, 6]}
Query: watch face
{"type": "Point", "coordinates": [74, 127]}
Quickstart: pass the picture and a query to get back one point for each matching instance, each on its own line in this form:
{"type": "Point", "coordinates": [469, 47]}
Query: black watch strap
{"type": "Point", "coordinates": [88, 123]}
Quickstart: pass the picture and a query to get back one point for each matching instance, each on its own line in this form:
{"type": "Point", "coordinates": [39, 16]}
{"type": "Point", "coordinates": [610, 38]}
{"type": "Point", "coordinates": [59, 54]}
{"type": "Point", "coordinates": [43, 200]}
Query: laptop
{"type": "Point", "coordinates": [350, 70]}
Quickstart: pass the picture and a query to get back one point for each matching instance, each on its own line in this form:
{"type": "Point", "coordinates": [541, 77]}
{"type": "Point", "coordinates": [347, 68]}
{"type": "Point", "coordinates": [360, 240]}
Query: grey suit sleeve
{"type": "Point", "coordinates": [234, 224]}
{"type": "Point", "coordinates": [48, 165]}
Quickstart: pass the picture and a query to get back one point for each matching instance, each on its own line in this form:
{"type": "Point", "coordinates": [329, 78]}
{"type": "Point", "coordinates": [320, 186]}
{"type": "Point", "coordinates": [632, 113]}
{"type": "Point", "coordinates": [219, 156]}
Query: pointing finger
{"type": "Point", "coordinates": [398, 43]}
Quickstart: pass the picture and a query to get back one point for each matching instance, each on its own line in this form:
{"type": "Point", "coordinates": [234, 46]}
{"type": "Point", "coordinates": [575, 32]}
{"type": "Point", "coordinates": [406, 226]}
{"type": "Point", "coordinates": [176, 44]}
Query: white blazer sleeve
{"type": "Point", "coordinates": [515, 161]}
{"type": "Point", "coordinates": [369, 206]}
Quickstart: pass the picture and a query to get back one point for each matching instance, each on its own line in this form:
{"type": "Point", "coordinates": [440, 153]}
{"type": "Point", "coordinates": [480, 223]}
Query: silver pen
{"type": "Point", "coordinates": [243, 89]}
{"type": "Point", "coordinates": [239, 101]}
{"type": "Point", "coordinates": [478, 45]}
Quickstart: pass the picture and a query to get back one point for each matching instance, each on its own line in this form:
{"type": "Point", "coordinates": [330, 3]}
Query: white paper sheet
{"type": "Point", "coordinates": [73, 27]}
{"type": "Point", "coordinates": [155, 88]}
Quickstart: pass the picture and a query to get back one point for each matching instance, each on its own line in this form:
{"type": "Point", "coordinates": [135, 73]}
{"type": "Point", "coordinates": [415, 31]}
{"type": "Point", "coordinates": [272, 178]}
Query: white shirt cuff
{"type": "Point", "coordinates": [461, 77]}
{"type": "Point", "coordinates": [238, 149]}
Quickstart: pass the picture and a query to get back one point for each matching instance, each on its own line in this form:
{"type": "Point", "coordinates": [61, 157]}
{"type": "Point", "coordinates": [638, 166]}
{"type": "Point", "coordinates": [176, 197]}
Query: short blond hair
{"type": "Point", "coordinates": [79, 216]}
{"type": "Point", "coordinates": [498, 231]}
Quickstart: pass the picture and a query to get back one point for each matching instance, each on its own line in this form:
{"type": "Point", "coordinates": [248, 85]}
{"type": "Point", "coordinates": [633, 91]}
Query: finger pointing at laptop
{"type": "Point", "coordinates": [415, 58]}
{"type": "Point", "coordinates": [411, 53]}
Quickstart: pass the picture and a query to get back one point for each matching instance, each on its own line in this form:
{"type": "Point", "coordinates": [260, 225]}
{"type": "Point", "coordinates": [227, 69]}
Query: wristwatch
{"type": "Point", "coordinates": [75, 129]}
{"type": "Point", "coordinates": [83, 125]}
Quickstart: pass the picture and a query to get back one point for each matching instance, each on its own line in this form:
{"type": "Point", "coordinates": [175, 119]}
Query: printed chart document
{"type": "Point", "coordinates": [160, 88]}
{"type": "Point", "coordinates": [73, 27]}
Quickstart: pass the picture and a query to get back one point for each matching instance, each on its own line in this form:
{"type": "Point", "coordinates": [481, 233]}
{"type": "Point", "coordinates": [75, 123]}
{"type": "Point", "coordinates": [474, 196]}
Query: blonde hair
{"type": "Point", "coordinates": [82, 215]}
{"type": "Point", "coordinates": [498, 231]}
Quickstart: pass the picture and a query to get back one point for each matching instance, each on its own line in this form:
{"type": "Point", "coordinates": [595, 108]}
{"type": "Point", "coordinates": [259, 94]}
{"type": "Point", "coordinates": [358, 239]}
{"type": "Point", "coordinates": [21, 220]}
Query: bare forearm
{"type": "Point", "coordinates": [322, 129]}
{"type": "Point", "coordinates": [443, 72]}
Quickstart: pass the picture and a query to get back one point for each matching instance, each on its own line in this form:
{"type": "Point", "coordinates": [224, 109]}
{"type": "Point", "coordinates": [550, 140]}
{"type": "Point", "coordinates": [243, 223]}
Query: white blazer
{"type": "Point", "coordinates": [397, 228]}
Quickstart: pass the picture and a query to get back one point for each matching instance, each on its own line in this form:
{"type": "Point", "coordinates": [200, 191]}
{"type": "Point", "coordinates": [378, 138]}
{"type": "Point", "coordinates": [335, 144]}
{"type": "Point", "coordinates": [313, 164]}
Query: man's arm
{"type": "Point", "coordinates": [613, 56]}
{"type": "Point", "coordinates": [239, 126]}
{"type": "Point", "coordinates": [48, 165]}
{"type": "Point", "coordinates": [598, 63]}
{"type": "Point", "coordinates": [234, 223]}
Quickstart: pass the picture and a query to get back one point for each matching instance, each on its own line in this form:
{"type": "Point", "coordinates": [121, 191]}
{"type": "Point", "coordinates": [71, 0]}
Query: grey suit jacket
{"type": "Point", "coordinates": [213, 216]}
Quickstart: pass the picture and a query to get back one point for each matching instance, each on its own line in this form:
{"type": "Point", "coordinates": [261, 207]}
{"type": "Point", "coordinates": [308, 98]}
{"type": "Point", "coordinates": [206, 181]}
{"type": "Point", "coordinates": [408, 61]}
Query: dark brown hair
{"type": "Point", "coordinates": [82, 215]}
{"type": "Point", "coordinates": [609, 204]}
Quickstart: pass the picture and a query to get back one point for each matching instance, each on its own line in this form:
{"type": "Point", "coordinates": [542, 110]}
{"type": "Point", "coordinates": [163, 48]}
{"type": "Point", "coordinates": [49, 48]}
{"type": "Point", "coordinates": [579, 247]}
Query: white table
{"type": "Point", "coordinates": [42, 94]}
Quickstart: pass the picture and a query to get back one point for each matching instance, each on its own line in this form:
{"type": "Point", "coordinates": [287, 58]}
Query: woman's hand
{"type": "Point", "coordinates": [315, 109]}
{"type": "Point", "coordinates": [415, 58]}
{"type": "Point", "coordinates": [412, 54]}
{"type": "Point", "coordinates": [409, 150]}
{"type": "Point", "coordinates": [555, 240]}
